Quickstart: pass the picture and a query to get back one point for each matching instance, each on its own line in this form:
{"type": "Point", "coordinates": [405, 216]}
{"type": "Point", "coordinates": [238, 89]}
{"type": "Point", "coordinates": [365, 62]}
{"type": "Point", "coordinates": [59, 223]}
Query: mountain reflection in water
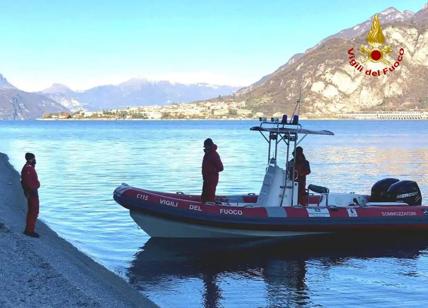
{"type": "Point", "coordinates": [280, 265]}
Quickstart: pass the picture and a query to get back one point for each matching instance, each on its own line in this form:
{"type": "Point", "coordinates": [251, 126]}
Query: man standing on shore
{"type": "Point", "coordinates": [30, 184]}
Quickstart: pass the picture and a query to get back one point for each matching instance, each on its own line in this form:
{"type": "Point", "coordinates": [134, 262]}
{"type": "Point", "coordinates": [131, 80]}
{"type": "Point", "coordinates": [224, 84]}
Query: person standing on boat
{"type": "Point", "coordinates": [301, 170]}
{"type": "Point", "coordinates": [211, 167]}
{"type": "Point", "coordinates": [30, 183]}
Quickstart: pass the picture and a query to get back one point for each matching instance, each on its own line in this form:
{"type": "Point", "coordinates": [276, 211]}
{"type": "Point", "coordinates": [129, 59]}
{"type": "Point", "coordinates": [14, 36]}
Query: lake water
{"type": "Point", "coordinates": [80, 164]}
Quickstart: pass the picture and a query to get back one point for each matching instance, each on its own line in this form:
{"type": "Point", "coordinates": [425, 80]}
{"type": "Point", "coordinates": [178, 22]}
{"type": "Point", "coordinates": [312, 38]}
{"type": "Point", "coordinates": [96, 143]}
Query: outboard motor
{"type": "Point", "coordinates": [405, 191]}
{"type": "Point", "coordinates": [380, 188]}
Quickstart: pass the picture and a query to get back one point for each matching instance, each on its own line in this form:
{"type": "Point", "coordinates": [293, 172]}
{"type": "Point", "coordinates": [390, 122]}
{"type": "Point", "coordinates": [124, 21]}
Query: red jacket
{"type": "Point", "coordinates": [29, 180]}
{"type": "Point", "coordinates": [211, 164]}
{"type": "Point", "coordinates": [303, 169]}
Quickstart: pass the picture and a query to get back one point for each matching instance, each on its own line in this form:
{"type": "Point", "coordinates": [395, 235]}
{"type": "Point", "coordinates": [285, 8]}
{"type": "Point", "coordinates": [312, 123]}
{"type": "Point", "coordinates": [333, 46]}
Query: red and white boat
{"type": "Point", "coordinates": [392, 206]}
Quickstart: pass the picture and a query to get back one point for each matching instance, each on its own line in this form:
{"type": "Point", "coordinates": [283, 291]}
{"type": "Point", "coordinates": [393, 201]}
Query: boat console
{"type": "Point", "coordinates": [279, 188]}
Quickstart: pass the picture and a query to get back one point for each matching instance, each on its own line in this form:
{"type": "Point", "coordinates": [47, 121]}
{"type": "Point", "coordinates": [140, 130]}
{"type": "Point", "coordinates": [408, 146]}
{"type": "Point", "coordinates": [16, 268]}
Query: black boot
{"type": "Point", "coordinates": [32, 234]}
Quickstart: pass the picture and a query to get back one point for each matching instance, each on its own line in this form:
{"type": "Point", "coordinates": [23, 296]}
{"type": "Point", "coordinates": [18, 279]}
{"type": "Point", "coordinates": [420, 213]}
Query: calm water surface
{"type": "Point", "coordinates": [80, 164]}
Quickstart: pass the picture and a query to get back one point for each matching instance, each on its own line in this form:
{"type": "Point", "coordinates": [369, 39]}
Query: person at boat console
{"type": "Point", "coordinates": [301, 170]}
{"type": "Point", "coordinates": [211, 167]}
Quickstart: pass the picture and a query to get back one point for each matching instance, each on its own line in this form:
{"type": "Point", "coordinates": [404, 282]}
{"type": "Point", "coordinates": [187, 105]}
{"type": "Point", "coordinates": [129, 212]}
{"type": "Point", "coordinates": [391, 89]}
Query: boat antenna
{"type": "Point", "coordinates": [296, 110]}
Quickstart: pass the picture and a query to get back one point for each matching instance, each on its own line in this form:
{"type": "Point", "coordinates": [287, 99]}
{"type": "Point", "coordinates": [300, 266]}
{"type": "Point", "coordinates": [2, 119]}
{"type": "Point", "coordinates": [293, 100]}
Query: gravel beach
{"type": "Point", "coordinates": [49, 271]}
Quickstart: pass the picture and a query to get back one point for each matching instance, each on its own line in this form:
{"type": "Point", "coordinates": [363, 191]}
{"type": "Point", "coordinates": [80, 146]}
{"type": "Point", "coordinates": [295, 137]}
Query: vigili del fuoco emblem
{"type": "Point", "coordinates": [375, 57]}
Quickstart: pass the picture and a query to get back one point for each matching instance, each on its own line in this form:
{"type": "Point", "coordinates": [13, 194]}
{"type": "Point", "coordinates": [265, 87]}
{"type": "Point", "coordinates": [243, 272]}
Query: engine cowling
{"type": "Point", "coordinates": [380, 188]}
{"type": "Point", "coordinates": [405, 191]}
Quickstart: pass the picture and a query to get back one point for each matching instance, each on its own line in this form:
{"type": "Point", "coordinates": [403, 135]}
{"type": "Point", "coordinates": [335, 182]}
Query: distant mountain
{"type": "Point", "coordinates": [57, 88]}
{"type": "Point", "coordinates": [134, 92]}
{"type": "Point", "coordinates": [19, 105]}
{"type": "Point", "coordinates": [64, 96]}
{"type": "Point", "coordinates": [4, 84]}
{"type": "Point", "coordinates": [328, 84]}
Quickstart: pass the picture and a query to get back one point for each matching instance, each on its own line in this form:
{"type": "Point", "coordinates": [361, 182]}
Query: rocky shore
{"type": "Point", "coordinates": [49, 271]}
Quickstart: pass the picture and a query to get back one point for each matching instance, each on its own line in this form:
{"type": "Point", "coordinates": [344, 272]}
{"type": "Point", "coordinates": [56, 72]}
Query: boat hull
{"type": "Point", "coordinates": [180, 216]}
{"type": "Point", "coordinates": [166, 228]}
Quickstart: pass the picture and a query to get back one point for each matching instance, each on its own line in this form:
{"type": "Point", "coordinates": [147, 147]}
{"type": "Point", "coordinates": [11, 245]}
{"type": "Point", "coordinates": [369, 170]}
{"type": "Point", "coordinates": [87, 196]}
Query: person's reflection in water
{"type": "Point", "coordinates": [212, 293]}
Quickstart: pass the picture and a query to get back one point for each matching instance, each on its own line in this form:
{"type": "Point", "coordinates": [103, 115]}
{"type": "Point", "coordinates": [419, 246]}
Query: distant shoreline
{"type": "Point", "coordinates": [129, 116]}
{"type": "Point", "coordinates": [302, 118]}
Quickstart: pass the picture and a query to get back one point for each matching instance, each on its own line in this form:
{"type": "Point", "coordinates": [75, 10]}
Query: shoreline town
{"type": "Point", "coordinates": [49, 271]}
{"type": "Point", "coordinates": [222, 112]}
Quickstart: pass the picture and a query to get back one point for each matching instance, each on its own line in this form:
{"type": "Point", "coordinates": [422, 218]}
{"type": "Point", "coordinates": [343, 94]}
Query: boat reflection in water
{"type": "Point", "coordinates": [268, 272]}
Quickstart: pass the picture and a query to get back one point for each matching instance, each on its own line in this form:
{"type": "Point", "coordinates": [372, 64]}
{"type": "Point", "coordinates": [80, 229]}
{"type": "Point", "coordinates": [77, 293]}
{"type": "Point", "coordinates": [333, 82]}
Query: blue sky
{"type": "Point", "coordinates": [87, 43]}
